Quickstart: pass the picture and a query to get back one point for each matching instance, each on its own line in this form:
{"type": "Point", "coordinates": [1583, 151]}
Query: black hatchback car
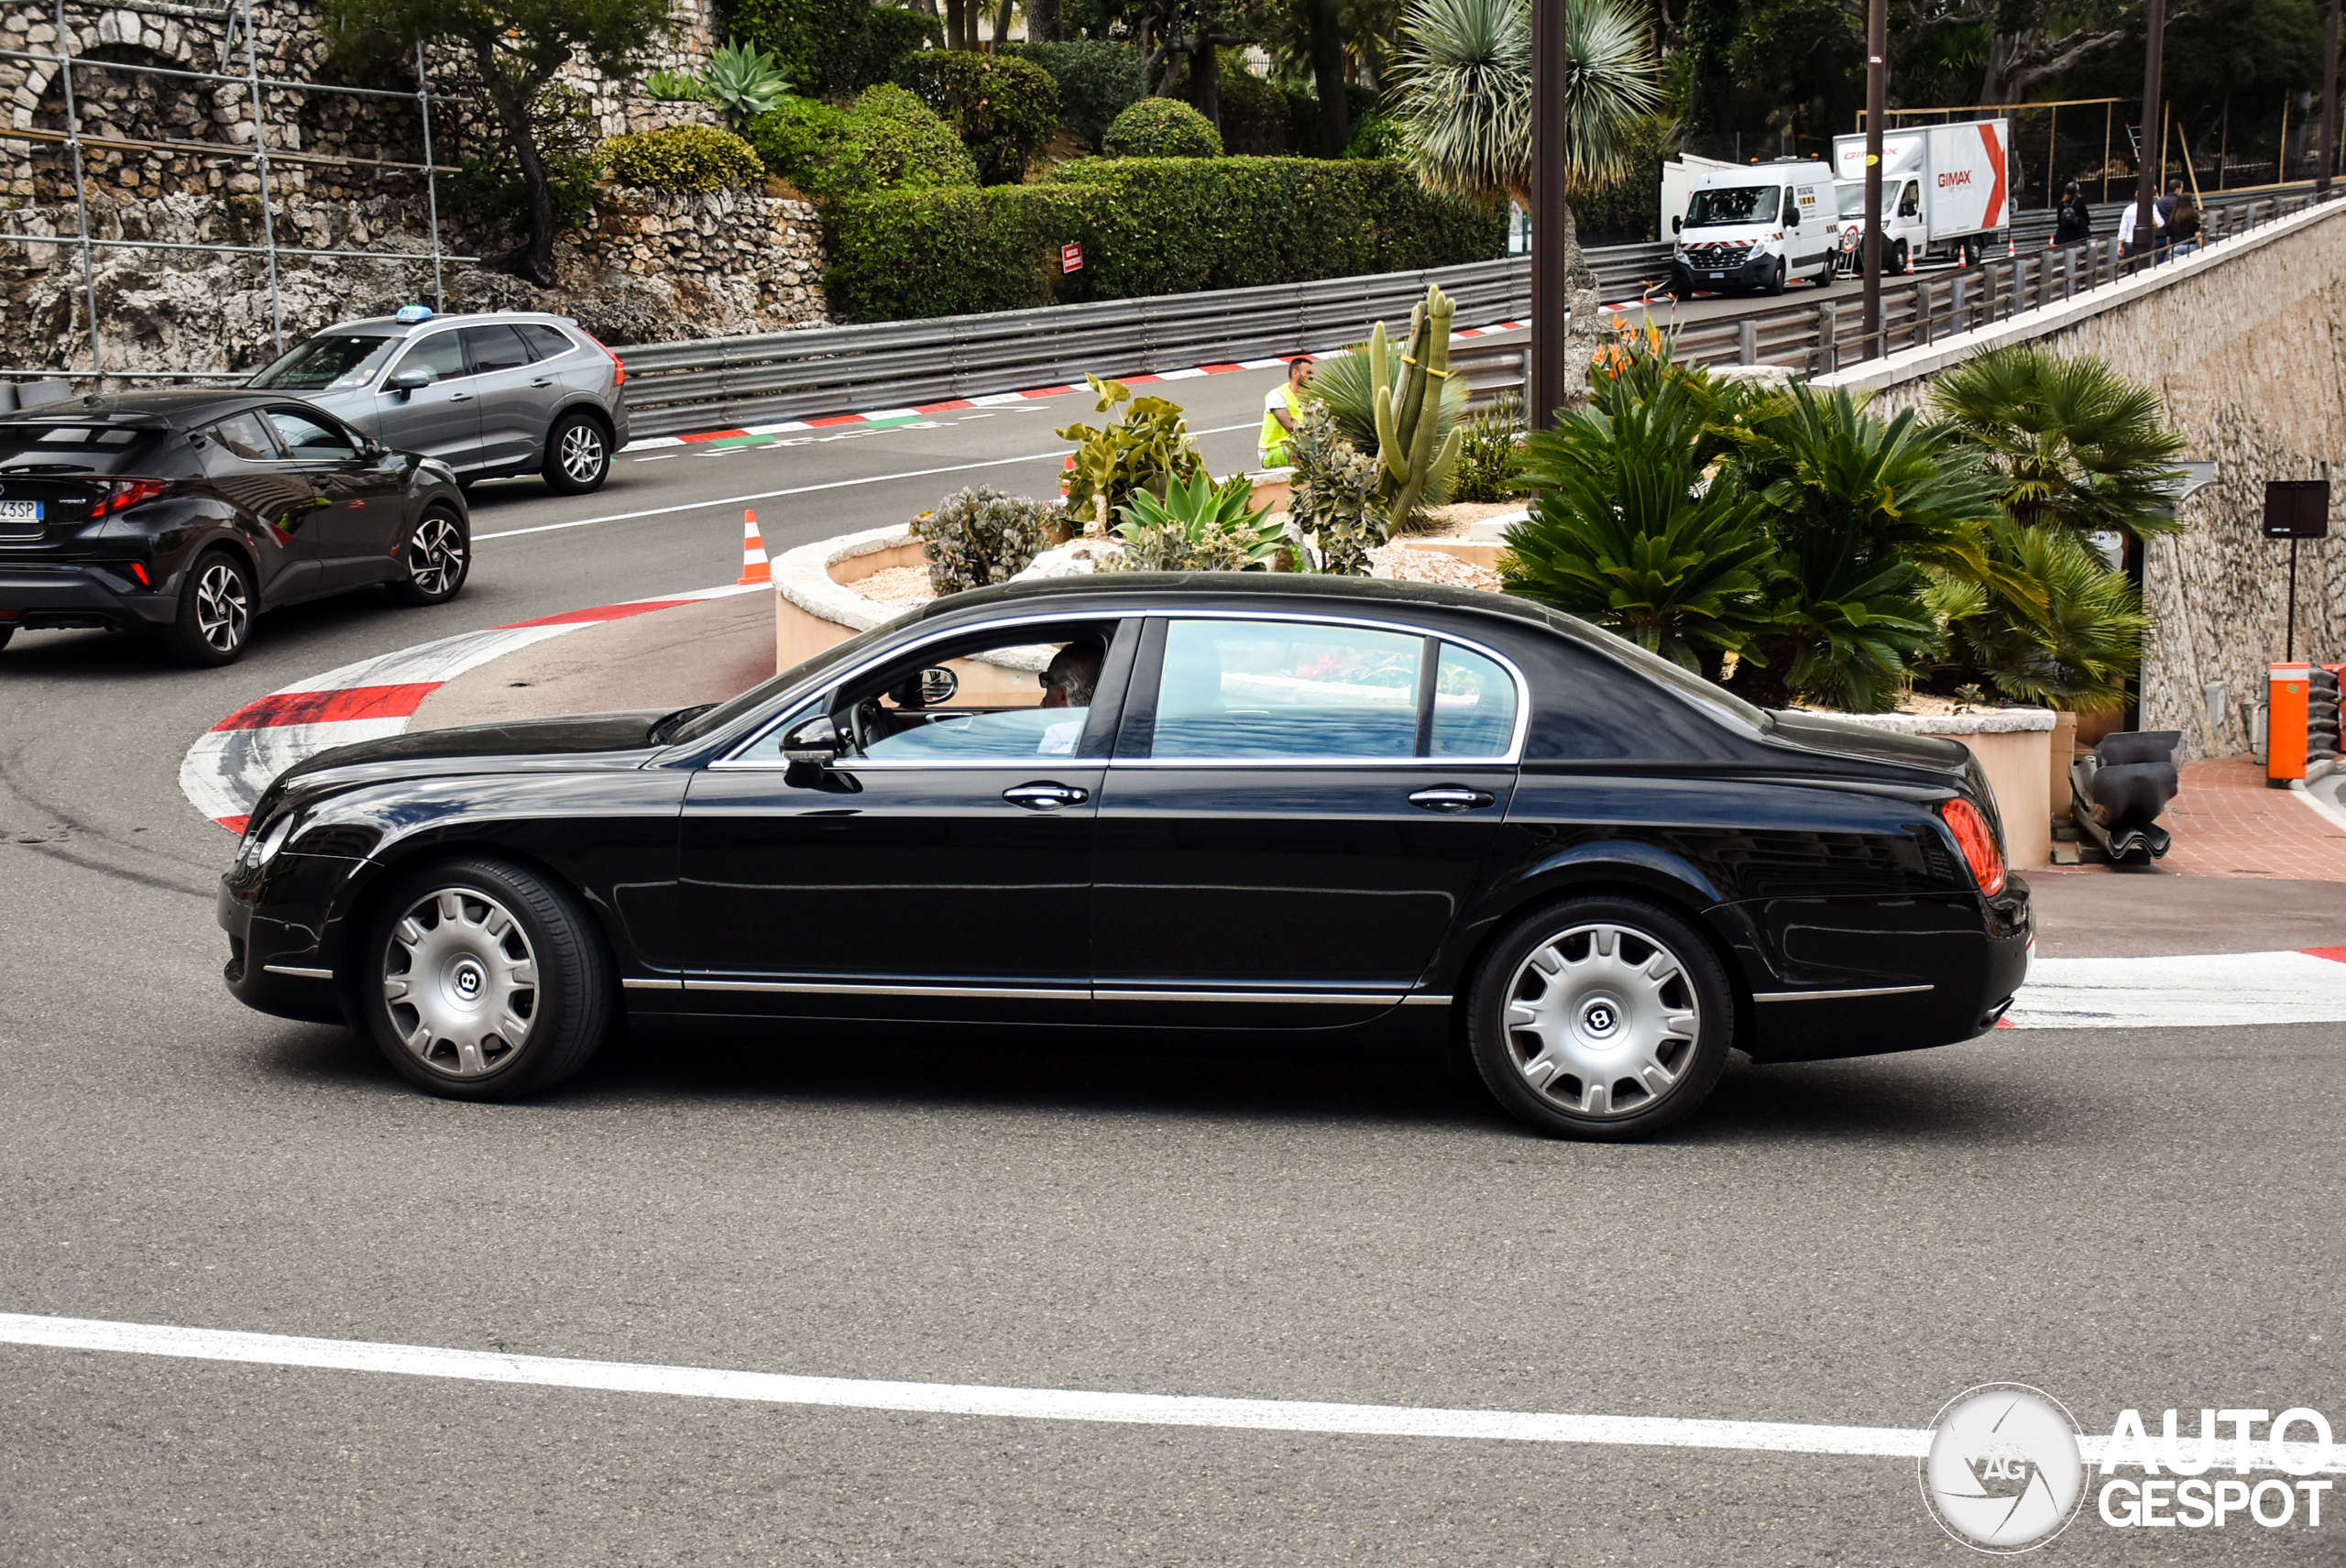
{"type": "Point", "coordinates": [188, 513]}
{"type": "Point", "coordinates": [1332, 812]}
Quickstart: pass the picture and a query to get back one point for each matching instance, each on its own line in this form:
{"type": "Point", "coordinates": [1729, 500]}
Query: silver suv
{"type": "Point", "coordinates": [490, 395]}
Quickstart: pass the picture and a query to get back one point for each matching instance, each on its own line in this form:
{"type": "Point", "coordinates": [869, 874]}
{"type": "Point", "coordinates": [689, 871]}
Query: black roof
{"type": "Point", "coordinates": [173, 405]}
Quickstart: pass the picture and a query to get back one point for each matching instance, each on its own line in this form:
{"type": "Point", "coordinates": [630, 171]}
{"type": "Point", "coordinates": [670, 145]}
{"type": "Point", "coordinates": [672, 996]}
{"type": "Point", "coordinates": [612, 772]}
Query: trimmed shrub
{"type": "Point", "coordinates": [1002, 109]}
{"type": "Point", "coordinates": [979, 536]}
{"type": "Point", "coordinates": [904, 145]}
{"type": "Point", "coordinates": [683, 158]}
{"type": "Point", "coordinates": [835, 46]}
{"type": "Point", "coordinates": [1147, 226]}
{"type": "Point", "coordinates": [808, 143]}
{"type": "Point", "coordinates": [1097, 82]}
{"type": "Point", "coordinates": [1254, 110]}
{"type": "Point", "coordinates": [1162, 127]}
{"type": "Point", "coordinates": [1375, 135]}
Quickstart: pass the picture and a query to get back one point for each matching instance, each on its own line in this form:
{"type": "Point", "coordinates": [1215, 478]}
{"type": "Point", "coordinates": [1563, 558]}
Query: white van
{"type": "Point", "coordinates": [1945, 190]}
{"type": "Point", "coordinates": [1904, 239]}
{"type": "Point", "coordinates": [1757, 226]}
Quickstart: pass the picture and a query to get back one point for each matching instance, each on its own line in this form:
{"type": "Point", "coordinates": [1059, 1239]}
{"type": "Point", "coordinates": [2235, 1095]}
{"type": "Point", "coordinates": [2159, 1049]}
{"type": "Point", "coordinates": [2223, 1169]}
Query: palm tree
{"type": "Point", "coordinates": [2073, 443]}
{"type": "Point", "coordinates": [1464, 103]}
{"type": "Point", "coordinates": [2074, 646]}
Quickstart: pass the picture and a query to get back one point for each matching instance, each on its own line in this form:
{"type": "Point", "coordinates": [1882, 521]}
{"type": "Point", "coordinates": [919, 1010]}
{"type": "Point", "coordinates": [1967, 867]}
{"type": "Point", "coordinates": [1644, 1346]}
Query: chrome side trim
{"type": "Point", "coordinates": [812, 987]}
{"type": "Point", "coordinates": [632, 983]}
{"type": "Point", "coordinates": [1838, 995]}
{"type": "Point", "coordinates": [1424, 1000]}
{"type": "Point", "coordinates": [297, 971]}
{"type": "Point", "coordinates": [1348, 999]}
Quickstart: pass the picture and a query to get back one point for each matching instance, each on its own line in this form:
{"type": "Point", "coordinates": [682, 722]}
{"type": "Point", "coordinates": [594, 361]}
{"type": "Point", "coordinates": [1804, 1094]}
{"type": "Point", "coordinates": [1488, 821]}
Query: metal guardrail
{"type": "Point", "coordinates": [709, 383]}
{"type": "Point", "coordinates": [712, 382]}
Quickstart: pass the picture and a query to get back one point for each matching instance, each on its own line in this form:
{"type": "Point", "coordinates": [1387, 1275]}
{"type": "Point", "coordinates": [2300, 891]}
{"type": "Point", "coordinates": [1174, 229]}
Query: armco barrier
{"type": "Point", "coordinates": [708, 383]}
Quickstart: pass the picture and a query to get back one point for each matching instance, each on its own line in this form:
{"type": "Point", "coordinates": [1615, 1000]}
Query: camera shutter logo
{"type": "Point", "coordinates": [2003, 1473]}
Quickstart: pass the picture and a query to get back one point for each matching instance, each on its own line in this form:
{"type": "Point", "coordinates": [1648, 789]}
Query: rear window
{"type": "Point", "coordinates": [328, 362]}
{"type": "Point", "coordinates": [77, 448]}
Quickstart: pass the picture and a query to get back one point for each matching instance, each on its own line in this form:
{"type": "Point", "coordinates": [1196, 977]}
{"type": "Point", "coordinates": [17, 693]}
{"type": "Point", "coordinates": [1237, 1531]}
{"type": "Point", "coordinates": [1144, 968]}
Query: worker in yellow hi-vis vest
{"type": "Point", "coordinates": [1282, 407]}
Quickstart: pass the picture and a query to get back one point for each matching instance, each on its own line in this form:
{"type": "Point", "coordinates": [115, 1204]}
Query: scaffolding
{"type": "Point", "coordinates": [238, 28]}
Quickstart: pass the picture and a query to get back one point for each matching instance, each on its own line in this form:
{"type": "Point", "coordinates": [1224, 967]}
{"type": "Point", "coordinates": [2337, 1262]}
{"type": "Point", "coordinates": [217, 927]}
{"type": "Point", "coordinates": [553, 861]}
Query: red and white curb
{"type": "Point", "coordinates": [229, 765]}
{"type": "Point", "coordinates": [996, 400]}
{"type": "Point", "coordinates": [2307, 986]}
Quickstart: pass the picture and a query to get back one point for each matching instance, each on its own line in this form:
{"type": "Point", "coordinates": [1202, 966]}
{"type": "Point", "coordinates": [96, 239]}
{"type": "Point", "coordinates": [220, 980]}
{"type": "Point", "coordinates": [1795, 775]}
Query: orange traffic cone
{"type": "Point", "coordinates": [755, 568]}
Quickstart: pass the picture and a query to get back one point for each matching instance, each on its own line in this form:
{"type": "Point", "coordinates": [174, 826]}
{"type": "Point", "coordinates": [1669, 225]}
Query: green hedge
{"type": "Point", "coordinates": [1147, 226]}
{"type": "Point", "coordinates": [683, 158]}
{"type": "Point", "coordinates": [834, 46]}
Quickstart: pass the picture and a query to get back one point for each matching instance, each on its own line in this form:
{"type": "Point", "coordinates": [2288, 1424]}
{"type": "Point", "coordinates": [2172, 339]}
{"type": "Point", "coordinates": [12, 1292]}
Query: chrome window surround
{"type": "Point", "coordinates": [1513, 754]}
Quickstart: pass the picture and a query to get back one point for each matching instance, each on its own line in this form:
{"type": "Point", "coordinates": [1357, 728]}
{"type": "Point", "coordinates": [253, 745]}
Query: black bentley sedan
{"type": "Point", "coordinates": [187, 513]}
{"type": "Point", "coordinates": [1329, 812]}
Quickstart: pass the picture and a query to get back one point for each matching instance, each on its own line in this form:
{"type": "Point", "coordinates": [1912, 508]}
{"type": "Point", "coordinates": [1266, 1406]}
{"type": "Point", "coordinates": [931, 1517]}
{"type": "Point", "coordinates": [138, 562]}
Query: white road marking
{"type": "Point", "coordinates": [660, 458]}
{"type": "Point", "coordinates": [2196, 991]}
{"type": "Point", "coordinates": [806, 489]}
{"type": "Point", "coordinates": [984, 1399]}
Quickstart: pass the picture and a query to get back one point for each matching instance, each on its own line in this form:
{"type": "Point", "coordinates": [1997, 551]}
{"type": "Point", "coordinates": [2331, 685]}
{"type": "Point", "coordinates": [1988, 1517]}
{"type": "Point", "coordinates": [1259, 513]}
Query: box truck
{"type": "Point", "coordinates": [1945, 194]}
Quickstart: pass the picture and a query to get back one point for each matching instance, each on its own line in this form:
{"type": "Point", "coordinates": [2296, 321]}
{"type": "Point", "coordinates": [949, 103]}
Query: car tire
{"type": "Point", "coordinates": [438, 556]}
{"type": "Point", "coordinates": [1578, 1035]}
{"type": "Point", "coordinates": [213, 624]}
{"type": "Point", "coordinates": [1775, 283]}
{"type": "Point", "coordinates": [1900, 263]}
{"type": "Point", "coordinates": [578, 455]}
{"type": "Point", "coordinates": [483, 981]}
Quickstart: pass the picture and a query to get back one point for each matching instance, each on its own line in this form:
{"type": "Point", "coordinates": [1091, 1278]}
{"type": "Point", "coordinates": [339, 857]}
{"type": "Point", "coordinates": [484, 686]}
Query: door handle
{"type": "Point", "coordinates": [1045, 796]}
{"type": "Point", "coordinates": [460, 397]}
{"type": "Point", "coordinates": [1450, 799]}
{"type": "Point", "coordinates": [543, 381]}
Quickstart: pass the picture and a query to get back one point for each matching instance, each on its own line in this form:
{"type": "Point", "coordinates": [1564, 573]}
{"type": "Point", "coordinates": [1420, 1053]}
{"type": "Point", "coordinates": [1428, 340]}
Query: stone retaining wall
{"type": "Point", "coordinates": [2246, 342]}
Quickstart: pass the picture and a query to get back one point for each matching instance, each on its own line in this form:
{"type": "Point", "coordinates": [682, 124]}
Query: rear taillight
{"type": "Point", "coordinates": [124, 493]}
{"type": "Point", "coordinates": [1977, 841]}
{"type": "Point", "coordinates": [618, 366]}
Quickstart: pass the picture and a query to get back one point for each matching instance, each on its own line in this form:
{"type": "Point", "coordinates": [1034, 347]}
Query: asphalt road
{"type": "Point", "coordinates": [2143, 1219]}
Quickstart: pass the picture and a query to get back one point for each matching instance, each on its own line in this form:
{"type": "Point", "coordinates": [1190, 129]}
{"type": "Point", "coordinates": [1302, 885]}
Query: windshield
{"type": "Point", "coordinates": [329, 362]}
{"type": "Point", "coordinates": [1738, 204]}
{"type": "Point", "coordinates": [1851, 200]}
{"type": "Point", "coordinates": [77, 448]}
{"type": "Point", "coordinates": [725, 713]}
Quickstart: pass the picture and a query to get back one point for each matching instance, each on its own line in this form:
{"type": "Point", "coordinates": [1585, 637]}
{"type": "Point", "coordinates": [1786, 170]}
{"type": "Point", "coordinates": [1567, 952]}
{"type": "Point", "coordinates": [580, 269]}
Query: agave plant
{"type": "Point", "coordinates": [676, 87]}
{"type": "Point", "coordinates": [743, 80]}
{"type": "Point", "coordinates": [1199, 526]}
{"type": "Point", "coordinates": [2072, 443]}
{"type": "Point", "coordinates": [1627, 531]}
{"type": "Point", "coordinates": [2072, 646]}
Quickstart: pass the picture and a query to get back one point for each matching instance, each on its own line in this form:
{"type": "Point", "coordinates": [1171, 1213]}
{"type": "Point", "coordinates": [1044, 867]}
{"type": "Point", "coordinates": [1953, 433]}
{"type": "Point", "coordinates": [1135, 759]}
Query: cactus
{"type": "Point", "coordinates": [1408, 417]}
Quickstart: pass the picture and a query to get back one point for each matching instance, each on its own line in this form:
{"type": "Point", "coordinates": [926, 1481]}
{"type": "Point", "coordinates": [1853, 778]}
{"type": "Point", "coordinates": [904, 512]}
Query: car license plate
{"type": "Point", "coordinates": [1718, 274]}
{"type": "Point", "coordinates": [19, 512]}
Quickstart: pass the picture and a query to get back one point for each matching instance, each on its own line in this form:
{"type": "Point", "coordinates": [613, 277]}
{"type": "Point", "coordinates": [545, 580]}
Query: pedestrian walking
{"type": "Point", "coordinates": [2073, 219]}
{"type": "Point", "coordinates": [2127, 248]}
{"type": "Point", "coordinates": [2165, 207]}
{"type": "Point", "coordinates": [1282, 409]}
{"type": "Point", "coordinates": [2183, 228]}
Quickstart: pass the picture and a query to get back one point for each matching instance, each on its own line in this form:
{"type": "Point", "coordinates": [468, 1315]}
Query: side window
{"type": "Point", "coordinates": [1588, 708]}
{"type": "Point", "coordinates": [1274, 689]}
{"type": "Point", "coordinates": [440, 356]}
{"type": "Point", "coordinates": [318, 440]}
{"type": "Point", "coordinates": [494, 348]}
{"type": "Point", "coordinates": [1023, 692]}
{"type": "Point", "coordinates": [242, 436]}
{"type": "Point", "coordinates": [1473, 706]}
{"type": "Point", "coordinates": [544, 340]}
{"type": "Point", "coordinates": [1910, 203]}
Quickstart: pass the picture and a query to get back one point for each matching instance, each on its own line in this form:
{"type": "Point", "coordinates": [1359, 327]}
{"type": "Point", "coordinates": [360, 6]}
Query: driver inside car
{"type": "Point", "coordinates": [913, 727]}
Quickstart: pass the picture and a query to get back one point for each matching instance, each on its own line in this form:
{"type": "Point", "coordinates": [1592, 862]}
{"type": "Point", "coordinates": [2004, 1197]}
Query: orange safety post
{"type": "Point", "coordinates": [2285, 724]}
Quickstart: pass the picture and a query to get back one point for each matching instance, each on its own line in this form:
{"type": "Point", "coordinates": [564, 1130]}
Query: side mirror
{"type": "Point", "coordinates": [408, 381]}
{"type": "Point", "coordinates": [376, 450]}
{"type": "Point", "coordinates": [815, 741]}
{"type": "Point", "coordinates": [1677, 224]}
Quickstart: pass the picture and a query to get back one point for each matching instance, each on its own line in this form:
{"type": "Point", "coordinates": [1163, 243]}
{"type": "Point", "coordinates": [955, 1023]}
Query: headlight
{"type": "Point", "coordinates": [262, 840]}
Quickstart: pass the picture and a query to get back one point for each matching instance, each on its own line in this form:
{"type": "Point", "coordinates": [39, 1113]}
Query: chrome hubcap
{"type": "Point", "coordinates": [1601, 1020]}
{"type": "Point", "coordinates": [435, 556]}
{"type": "Point", "coordinates": [460, 981]}
{"type": "Point", "coordinates": [222, 609]}
{"type": "Point", "coordinates": [582, 452]}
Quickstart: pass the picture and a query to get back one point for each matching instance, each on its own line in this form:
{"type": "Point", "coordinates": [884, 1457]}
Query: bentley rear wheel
{"type": "Point", "coordinates": [1601, 1017]}
{"type": "Point", "coordinates": [483, 981]}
